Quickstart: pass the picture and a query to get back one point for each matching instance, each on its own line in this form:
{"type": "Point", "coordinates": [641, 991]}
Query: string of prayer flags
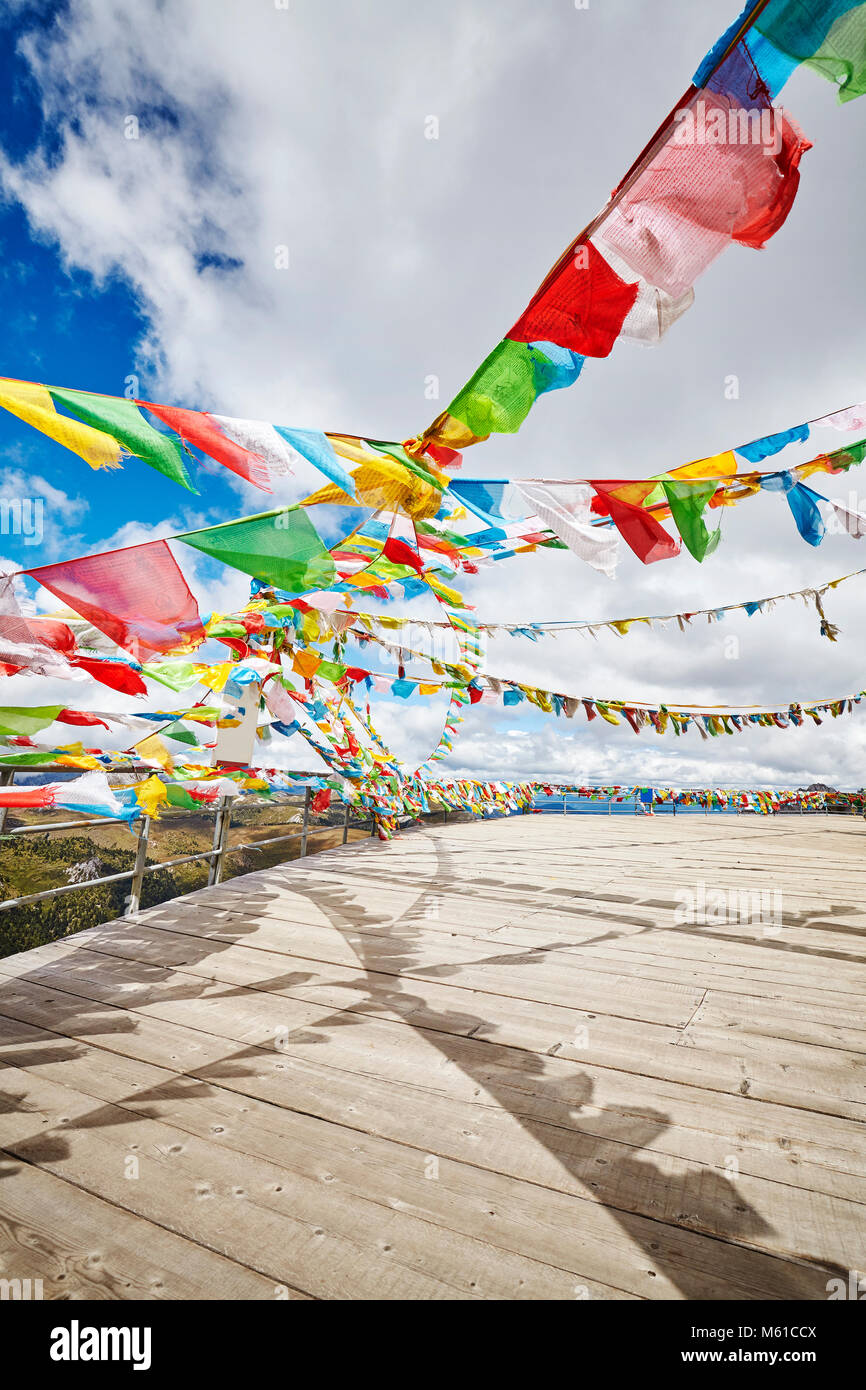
{"type": "Point", "coordinates": [723, 167]}
{"type": "Point", "coordinates": [622, 626]}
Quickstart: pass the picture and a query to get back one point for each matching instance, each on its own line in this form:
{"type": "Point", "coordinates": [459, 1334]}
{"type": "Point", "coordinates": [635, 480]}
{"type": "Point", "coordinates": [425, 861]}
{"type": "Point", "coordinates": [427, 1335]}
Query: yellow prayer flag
{"type": "Point", "coordinates": [717, 466]}
{"type": "Point", "coordinates": [606, 713]}
{"type": "Point", "coordinates": [150, 795]}
{"type": "Point", "coordinates": [32, 403]}
{"type": "Point", "coordinates": [153, 750]}
{"type": "Point", "coordinates": [214, 677]}
{"type": "Point", "coordinates": [449, 431]}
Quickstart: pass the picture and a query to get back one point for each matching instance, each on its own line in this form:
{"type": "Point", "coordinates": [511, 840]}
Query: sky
{"type": "Point", "coordinates": [269, 133]}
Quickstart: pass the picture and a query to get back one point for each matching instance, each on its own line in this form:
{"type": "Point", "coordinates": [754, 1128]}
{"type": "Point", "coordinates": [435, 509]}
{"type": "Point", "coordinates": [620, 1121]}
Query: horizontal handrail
{"type": "Point", "coordinates": [64, 888]}
{"type": "Point", "coordinates": [215, 857]}
{"type": "Point", "coordinates": [61, 825]}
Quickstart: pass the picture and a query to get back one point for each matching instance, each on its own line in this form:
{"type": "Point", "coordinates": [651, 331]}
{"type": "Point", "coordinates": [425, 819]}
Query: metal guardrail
{"type": "Point", "coordinates": [215, 856]}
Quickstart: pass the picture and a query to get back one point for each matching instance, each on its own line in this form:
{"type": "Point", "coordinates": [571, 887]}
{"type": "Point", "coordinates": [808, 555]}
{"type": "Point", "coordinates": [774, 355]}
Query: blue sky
{"type": "Point", "coordinates": [63, 326]}
{"type": "Point", "coordinates": [409, 258]}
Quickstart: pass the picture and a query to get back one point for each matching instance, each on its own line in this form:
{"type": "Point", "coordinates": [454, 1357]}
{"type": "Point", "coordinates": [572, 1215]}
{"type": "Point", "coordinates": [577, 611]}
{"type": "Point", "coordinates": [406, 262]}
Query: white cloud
{"type": "Point", "coordinates": [47, 527]}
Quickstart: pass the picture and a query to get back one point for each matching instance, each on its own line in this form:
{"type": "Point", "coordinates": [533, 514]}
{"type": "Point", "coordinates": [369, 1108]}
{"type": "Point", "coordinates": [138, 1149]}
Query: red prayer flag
{"type": "Point", "coordinates": [136, 596]}
{"type": "Point", "coordinates": [442, 456]}
{"type": "Point", "coordinates": [57, 634]}
{"type": "Point", "coordinates": [581, 306]}
{"type": "Point", "coordinates": [204, 432]}
{"type": "Point", "coordinates": [641, 532]}
{"type": "Point", "coordinates": [74, 716]}
{"type": "Point", "coordinates": [27, 796]}
{"type": "Point", "coordinates": [236, 645]}
{"type": "Point", "coordinates": [115, 674]}
{"type": "Point", "coordinates": [399, 553]}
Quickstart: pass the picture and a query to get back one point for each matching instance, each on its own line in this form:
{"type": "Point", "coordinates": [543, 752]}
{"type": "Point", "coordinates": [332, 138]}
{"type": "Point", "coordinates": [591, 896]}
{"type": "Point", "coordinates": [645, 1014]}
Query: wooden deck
{"type": "Point", "coordinates": [482, 1061]}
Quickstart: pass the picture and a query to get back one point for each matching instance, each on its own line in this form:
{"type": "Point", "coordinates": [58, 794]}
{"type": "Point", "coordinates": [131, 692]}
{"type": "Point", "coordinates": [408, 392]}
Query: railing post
{"type": "Point", "coordinates": [306, 822]}
{"type": "Point", "coordinates": [220, 839]}
{"type": "Point", "coordinates": [7, 777]}
{"type": "Point", "coordinates": [133, 902]}
{"type": "Point", "coordinates": [346, 823]}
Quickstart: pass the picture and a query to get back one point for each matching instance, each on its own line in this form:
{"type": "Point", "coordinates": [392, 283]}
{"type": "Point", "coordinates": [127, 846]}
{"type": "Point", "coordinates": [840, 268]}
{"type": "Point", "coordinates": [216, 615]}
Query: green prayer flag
{"type": "Point", "coordinates": [842, 55]}
{"type": "Point", "coordinates": [227, 628]}
{"type": "Point", "coordinates": [330, 671]}
{"type": "Point", "coordinates": [177, 675]}
{"type": "Point", "coordinates": [24, 722]}
{"type": "Point", "coordinates": [41, 759]}
{"type": "Point", "coordinates": [179, 796]}
{"type": "Point", "coordinates": [281, 548]}
{"type": "Point", "coordinates": [124, 421]}
{"type": "Point", "coordinates": [501, 394]}
{"type": "Point", "coordinates": [687, 502]}
{"type": "Point", "coordinates": [177, 732]}
{"type": "Point", "coordinates": [849, 454]}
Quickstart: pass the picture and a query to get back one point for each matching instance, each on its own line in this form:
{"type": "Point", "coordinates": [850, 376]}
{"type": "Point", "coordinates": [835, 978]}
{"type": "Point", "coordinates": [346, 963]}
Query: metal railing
{"type": "Point", "coordinates": [215, 856]}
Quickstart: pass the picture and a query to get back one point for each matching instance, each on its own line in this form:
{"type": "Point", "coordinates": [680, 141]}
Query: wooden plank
{"type": "Point", "coordinates": [82, 1247]}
